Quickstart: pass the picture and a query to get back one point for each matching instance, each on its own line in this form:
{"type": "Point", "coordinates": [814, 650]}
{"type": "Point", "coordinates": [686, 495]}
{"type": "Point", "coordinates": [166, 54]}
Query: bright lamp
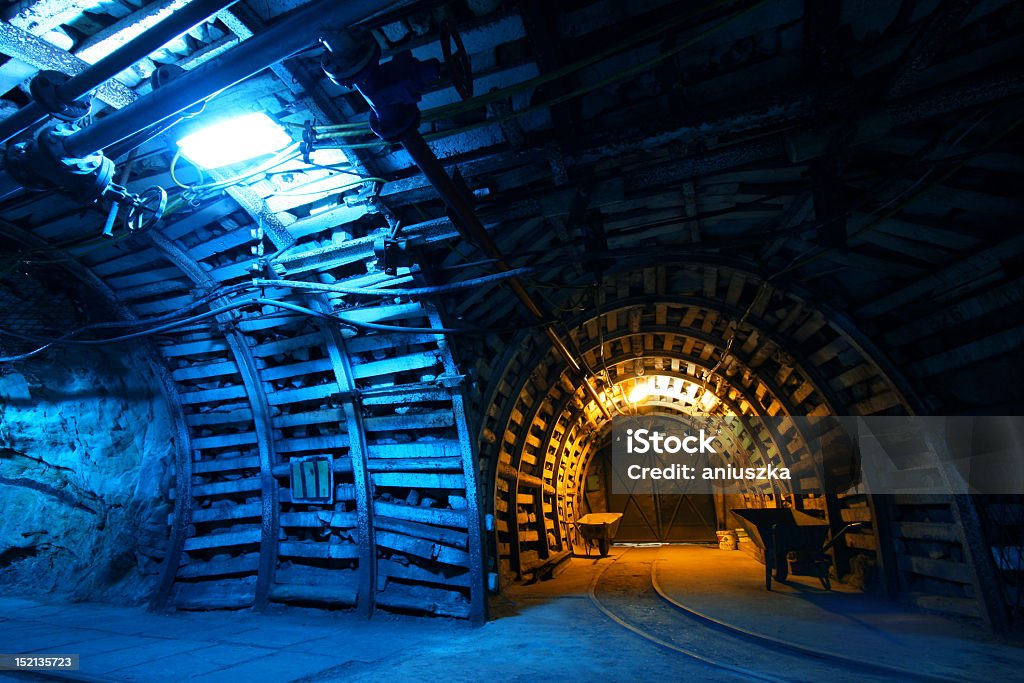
{"type": "Point", "coordinates": [234, 140]}
{"type": "Point", "coordinates": [641, 392]}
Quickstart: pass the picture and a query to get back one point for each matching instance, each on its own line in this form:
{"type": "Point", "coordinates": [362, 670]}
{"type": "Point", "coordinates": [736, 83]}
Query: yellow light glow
{"type": "Point", "coordinates": [708, 401]}
{"type": "Point", "coordinates": [640, 393]}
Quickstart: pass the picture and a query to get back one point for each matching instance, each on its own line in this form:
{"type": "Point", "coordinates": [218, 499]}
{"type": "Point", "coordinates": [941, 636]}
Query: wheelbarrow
{"type": "Point", "coordinates": [791, 541]}
{"type": "Point", "coordinates": [598, 528]}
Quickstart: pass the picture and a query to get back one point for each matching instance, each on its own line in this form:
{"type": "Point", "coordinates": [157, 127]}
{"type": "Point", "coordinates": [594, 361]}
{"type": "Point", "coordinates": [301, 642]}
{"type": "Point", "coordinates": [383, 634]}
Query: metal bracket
{"type": "Point", "coordinates": [451, 381]}
{"type": "Point", "coordinates": [353, 396]}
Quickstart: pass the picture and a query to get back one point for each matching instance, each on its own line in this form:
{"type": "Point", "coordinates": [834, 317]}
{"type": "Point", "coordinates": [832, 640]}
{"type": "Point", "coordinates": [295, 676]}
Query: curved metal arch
{"type": "Point", "coordinates": [840, 322]}
{"type": "Point", "coordinates": [699, 362]}
{"type": "Point", "coordinates": [776, 437]}
{"type": "Point", "coordinates": [817, 381]}
{"type": "Point", "coordinates": [616, 360]}
{"type": "Point", "coordinates": [714, 304]}
{"type": "Point", "coordinates": [261, 419]}
{"type": "Point", "coordinates": [574, 417]}
{"type": "Point", "coordinates": [770, 383]}
{"type": "Point", "coordinates": [341, 366]}
{"type": "Point", "coordinates": [470, 471]}
{"type": "Point", "coordinates": [517, 456]}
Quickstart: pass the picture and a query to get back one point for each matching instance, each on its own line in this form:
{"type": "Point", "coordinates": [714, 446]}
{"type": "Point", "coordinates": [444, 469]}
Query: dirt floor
{"type": "Point", "coordinates": [599, 620]}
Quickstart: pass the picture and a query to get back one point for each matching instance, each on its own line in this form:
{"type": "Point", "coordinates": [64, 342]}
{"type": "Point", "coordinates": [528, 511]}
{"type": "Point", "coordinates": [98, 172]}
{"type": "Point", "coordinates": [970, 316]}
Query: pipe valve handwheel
{"type": "Point", "coordinates": [147, 210]}
{"type": "Point", "coordinates": [457, 64]}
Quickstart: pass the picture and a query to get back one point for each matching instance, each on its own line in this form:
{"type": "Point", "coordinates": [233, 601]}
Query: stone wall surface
{"type": "Point", "coordinates": [86, 447]}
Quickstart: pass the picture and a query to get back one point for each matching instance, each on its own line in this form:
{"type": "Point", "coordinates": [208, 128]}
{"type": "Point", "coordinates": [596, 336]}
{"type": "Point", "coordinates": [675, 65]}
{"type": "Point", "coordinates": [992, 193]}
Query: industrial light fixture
{"type": "Point", "coordinates": [233, 140]}
{"type": "Point", "coordinates": [641, 391]}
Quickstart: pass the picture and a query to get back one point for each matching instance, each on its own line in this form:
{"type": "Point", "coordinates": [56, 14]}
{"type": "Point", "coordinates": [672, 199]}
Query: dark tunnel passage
{"type": "Point", "coordinates": [326, 322]}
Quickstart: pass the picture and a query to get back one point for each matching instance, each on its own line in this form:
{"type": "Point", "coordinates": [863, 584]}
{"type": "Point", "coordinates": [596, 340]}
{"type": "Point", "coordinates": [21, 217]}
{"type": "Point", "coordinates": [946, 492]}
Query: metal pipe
{"type": "Point", "coordinates": [466, 220]}
{"type": "Point", "coordinates": [147, 42]}
{"type": "Point", "coordinates": [280, 41]}
{"type": "Point", "coordinates": [143, 45]}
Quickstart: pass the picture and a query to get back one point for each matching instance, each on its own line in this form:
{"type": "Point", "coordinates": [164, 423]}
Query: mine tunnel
{"type": "Point", "coordinates": [373, 339]}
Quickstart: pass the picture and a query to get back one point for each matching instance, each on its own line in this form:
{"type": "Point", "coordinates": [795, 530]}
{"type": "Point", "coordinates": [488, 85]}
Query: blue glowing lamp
{"type": "Point", "coordinates": [233, 140]}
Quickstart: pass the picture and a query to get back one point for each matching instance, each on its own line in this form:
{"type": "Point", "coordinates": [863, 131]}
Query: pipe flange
{"type": "Point", "coordinates": [41, 164]}
{"type": "Point", "coordinates": [349, 56]}
{"type": "Point", "coordinates": [44, 88]}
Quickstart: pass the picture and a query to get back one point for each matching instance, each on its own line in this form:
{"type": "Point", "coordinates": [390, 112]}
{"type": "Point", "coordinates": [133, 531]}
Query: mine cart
{"type": "Point", "coordinates": [792, 541]}
{"type": "Point", "coordinates": [599, 528]}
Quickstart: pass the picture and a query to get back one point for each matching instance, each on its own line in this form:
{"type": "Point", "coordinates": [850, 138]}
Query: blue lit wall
{"type": "Point", "coordinates": [85, 448]}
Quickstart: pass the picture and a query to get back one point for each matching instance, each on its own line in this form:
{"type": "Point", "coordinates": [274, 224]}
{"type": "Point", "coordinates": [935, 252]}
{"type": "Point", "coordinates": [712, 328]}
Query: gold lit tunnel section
{"type": "Point", "coordinates": [715, 345]}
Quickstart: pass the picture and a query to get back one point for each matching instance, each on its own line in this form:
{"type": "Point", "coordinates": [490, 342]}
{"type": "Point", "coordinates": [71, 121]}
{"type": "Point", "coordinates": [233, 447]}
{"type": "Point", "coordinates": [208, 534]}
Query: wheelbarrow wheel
{"type": "Point", "coordinates": [767, 574]}
{"type": "Point", "coordinates": [605, 545]}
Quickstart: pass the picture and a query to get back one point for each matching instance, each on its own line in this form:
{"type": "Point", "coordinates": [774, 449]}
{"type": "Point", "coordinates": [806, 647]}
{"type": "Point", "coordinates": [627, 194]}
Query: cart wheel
{"type": "Point", "coordinates": [767, 574]}
{"type": "Point", "coordinates": [605, 545]}
{"type": "Point", "coordinates": [826, 582]}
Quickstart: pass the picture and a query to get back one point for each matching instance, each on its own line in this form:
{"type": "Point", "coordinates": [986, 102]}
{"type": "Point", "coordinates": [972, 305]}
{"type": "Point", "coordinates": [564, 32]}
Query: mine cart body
{"type": "Point", "coordinates": [599, 528]}
{"type": "Point", "coordinates": [790, 539]}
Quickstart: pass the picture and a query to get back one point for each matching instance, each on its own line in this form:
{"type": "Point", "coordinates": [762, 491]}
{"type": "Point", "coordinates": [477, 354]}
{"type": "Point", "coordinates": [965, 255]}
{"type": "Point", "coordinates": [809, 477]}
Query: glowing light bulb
{"type": "Point", "coordinates": [233, 140]}
{"type": "Point", "coordinates": [641, 392]}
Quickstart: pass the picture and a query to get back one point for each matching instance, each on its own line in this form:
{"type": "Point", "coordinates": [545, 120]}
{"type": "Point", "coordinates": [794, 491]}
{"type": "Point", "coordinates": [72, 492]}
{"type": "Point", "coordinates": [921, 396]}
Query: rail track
{"type": "Point", "coordinates": [629, 594]}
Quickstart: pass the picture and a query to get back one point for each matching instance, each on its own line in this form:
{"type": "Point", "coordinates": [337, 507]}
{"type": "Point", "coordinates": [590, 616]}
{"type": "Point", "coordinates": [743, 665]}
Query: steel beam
{"type": "Point", "coordinates": [22, 45]}
{"type": "Point", "coordinates": [357, 450]}
{"type": "Point", "coordinates": [470, 473]}
{"type": "Point", "coordinates": [297, 31]}
{"type": "Point", "coordinates": [469, 224]}
{"type": "Point", "coordinates": [99, 75]}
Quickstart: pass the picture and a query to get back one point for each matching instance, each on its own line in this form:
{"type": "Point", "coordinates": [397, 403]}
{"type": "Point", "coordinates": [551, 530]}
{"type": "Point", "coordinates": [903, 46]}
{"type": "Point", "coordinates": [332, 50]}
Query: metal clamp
{"type": "Point", "coordinates": [451, 381]}
{"type": "Point", "coordinates": [44, 88]}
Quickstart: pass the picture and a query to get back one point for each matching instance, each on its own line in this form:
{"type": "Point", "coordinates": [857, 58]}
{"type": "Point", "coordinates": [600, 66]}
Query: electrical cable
{"type": "Point", "coordinates": [285, 155]}
{"type": "Point", "coordinates": [234, 305]}
{"type": "Point", "coordinates": [332, 190]}
{"type": "Point", "coordinates": [408, 292]}
{"type": "Point", "coordinates": [67, 337]}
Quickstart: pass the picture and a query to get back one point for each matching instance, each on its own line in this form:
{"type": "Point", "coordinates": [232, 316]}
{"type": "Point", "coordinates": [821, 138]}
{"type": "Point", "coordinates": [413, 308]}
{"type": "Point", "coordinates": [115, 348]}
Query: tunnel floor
{"type": "Point", "coordinates": [642, 612]}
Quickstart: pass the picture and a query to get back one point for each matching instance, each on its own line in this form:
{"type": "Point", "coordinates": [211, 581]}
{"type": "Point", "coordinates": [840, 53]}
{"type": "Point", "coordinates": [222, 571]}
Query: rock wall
{"type": "Point", "coordinates": [86, 453]}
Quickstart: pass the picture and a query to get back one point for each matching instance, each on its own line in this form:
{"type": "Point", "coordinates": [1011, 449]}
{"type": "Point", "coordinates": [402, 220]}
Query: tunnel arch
{"type": "Point", "coordinates": [676, 319]}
